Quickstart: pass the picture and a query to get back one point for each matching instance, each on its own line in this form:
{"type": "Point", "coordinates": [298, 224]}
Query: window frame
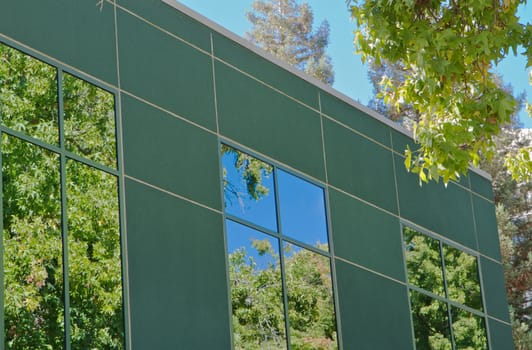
{"type": "Point", "coordinates": [61, 150]}
{"type": "Point", "coordinates": [282, 239]}
{"type": "Point", "coordinates": [444, 299]}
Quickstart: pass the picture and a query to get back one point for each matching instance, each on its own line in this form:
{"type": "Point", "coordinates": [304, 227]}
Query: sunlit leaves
{"type": "Point", "coordinates": [449, 49]}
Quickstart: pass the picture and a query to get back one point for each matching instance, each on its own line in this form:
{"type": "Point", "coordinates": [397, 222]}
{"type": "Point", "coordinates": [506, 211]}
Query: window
{"type": "Point", "coordinates": [445, 295]}
{"type": "Point", "coordinates": [278, 255]}
{"type": "Point", "coordinates": [61, 262]}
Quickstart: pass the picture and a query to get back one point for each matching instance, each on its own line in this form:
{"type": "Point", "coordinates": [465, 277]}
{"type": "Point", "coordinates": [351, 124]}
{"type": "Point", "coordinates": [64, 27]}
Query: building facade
{"type": "Point", "coordinates": [167, 186]}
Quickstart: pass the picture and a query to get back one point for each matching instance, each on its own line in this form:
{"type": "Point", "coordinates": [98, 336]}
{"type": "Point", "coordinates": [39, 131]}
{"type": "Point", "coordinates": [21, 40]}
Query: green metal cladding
{"type": "Point", "coordinates": [182, 88]}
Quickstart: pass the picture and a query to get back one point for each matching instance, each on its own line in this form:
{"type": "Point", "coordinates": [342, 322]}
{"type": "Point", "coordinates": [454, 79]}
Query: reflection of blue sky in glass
{"type": "Point", "coordinates": [240, 236]}
{"type": "Point", "coordinates": [239, 203]}
{"type": "Point", "coordinates": [302, 207]}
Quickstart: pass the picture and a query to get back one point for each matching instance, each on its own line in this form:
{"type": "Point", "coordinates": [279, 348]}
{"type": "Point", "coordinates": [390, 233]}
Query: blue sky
{"type": "Point", "coordinates": [351, 75]}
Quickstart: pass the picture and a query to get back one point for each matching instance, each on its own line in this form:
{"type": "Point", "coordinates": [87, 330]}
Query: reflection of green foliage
{"type": "Point", "coordinates": [431, 322]}
{"type": "Point", "coordinates": [28, 95]}
{"type": "Point", "coordinates": [252, 171]}
{"type": "Point", "coordinates": [257, 299]}
{"type": "Point", "coordinates": [89, 121]}
{"type": "Point", "coordinates": [33, 273]}
{"type": "Point", "coordinates": [32, 214]}
{"type": "Point", "coordinates": [468, 330]}
{"type": "Point", "coordinates": [94, 258]}
{"type": "Point", "coordinates": [423, 261]}
{"type": "Point", "coordinates": [461, 273]}
{"type": "Point", "coordinates": [430, 316]}
{"type": "Point", "coordinates": [310, 301]}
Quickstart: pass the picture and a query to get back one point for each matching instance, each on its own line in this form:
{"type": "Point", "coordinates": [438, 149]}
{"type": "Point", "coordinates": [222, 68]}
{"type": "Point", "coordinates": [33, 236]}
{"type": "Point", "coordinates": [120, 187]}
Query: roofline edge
{"type": "Point", "coordinates": [250, 46]}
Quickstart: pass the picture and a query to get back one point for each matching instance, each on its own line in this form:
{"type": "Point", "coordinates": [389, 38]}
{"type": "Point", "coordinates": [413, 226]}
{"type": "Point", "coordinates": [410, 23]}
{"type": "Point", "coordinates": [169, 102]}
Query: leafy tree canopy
{"type": "Point", "coordinates": [284, 28]}
{"type": "Point", "coordinates": [449, 49]}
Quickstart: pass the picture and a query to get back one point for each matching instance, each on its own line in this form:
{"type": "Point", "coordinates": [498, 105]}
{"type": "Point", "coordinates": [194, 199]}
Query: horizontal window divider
{"type": "Point", "coordinates": [58, 150]}
{"type": "Point", "coordinates": [91, 163]}
{"type": "Point", "coordinates": [427, 293]}
{"type": "Point", "coordinates": [447, 301]}
{"type": "Point", "coordinates": [252, 225]}
{"type": "Point", "coordinates": [277, 235]}
{"type": "Point", "coordinates": [31, 139]}
{"type": "Point", "coordinates": [466, 308]}
{"type": "Point", "coordinates": [306, 246]}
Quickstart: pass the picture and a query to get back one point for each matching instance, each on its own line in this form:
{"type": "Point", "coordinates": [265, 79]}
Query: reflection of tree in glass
{"type": "Point", "coordinates": [257, 299]}
{"type": "Point", "coordinates": [252, 171]}
{"type": "Point", "coordinates": [258, 314]}
{"type": "Point", "coordinates": [89, 121]}
{"type": "Point", "coordinates": [94, 258]}
{"type": "Point", "coordinates": [423, 261]}
{"type": "Point", "coordinates": [461, 273]}
{"type": "Point", "coordinates": [32, 237]}
{"type": "Point", "coordinates": [28, 95]}
{"type": "Point", "coordinates": [33, 269]}
{"type": "Point", "coordinates": [431, 322]}
{"type": "Point", "coordinates": [310, 299]}
{"type": "Point", "coordinates": [468, 330]}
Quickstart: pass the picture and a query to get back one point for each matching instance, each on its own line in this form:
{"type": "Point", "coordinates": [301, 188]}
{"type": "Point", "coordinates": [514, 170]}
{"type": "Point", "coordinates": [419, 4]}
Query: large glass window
{"type": "Point", "coordinates": [445, 294]}
{"type": "Point", "coordinates": [278, 254]}
{"type": "Point", "coordinates": [61, 256]}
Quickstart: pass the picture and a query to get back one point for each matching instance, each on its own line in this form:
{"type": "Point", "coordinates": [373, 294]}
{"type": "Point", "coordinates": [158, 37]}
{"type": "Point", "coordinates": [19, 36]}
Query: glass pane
{"type": "Point", "coordinates": [423, 261]}
{"type": "Point", "coordinates": [248, 188]}
{"type": "Point", "coordinates": [33, 268]}
{"type": "Point", "coordinates": [96, 313]}
{"type": "Point", "coordinates": [431, 322]}
{"type": "Point", "coordinates": [28, 95]}
{"type": "Point", "coordinates": [302, 207]}
{"type": "Point", "coordinates": [256, 289]}
{"type": "Point", "coordinates": [461, 273]}
{"type": "Point", "coordinates": [89, 121]}
{"type": "Point", "coordinates": [310, 299]}
{"type": "Point", "coordinates": [469, 330]}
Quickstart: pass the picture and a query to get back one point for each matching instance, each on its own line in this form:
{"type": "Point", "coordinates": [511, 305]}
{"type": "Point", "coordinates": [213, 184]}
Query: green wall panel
{"type": "Point", "coordinates": [171, 20]}
{"type": "Point", "coordinates": [488, 235]}
{"type": "Point", "coordinates": [500, 335]}
{"type": "Point", "coordinates": [359, 166]}
{"type": "Point", "coordinates": [400, 142]}
{"type": "Point", "coordinates": [170, 153]}
{"type": "Point", "coordinates": [259, 117]}
{"type": "Point", "coordinates": [366, 236]}
{"type": "Point", "coordinates": [355, 118]}
{"type": "Point", "coordinates": [445, 210]}
{"type": "Point", "coordinates": [481, 185]}
{"type": "Point", "coordinates": [165, 71]}
{"type": "Point", "coordinates": [494, 290]}
{"type": "Point", "coordinates": [178, 287]}
{"type": "Point", "coordinates": [264, 70]}
{"type": "Point", "coordinates": [374, 311]}
{"type": "Point", "coordinates": [75, 32]}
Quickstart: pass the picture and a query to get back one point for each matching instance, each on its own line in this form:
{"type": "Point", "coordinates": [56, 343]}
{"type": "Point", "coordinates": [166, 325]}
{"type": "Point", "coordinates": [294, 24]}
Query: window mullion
{"type": "Point", "coordinates": [281, 258]}
{"type": "Point", "coordinates": [64, 218]}
{"type": "Point", "coordinates": [2, 285]}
